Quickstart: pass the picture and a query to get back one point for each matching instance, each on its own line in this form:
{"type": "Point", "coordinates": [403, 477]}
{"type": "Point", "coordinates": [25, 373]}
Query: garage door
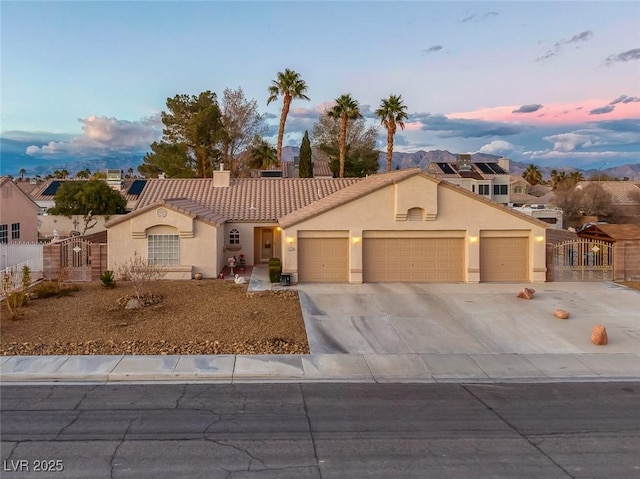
{"type": "Point", "coordinates": [323, 260]}
{"type": "Point", "coordinates": [504, 259]}
{"type": "Point", "coordinates": [413, 260]}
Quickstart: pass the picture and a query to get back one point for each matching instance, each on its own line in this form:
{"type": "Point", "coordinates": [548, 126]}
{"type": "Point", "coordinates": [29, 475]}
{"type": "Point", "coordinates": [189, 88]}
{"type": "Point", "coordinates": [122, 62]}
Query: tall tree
{"type": "Point", "coordinates": [361, 155]}
{"type": "Point", "coordinates": [346, 108]}
{"type": "Point", "coordinates": [22, 173]}
{"type": "Point", "coordinates": [532, 175]}
{"type": "Point", "coordinates": [242, 123]}
{"type": "Point", "coordinates": [193, 131]}
{"type": "Point", "coordinates": [290, 86]}
{"type": "Point", "coordinates": [392, 113]}
{"type": "Point", "coordinates": [557, 177]}
{"type": "Point", "coordinates": [172, 159]}
{"type": "Point", "coordinates": [85, 174]}
{"type": "Point", "coordinates": [305, 169]}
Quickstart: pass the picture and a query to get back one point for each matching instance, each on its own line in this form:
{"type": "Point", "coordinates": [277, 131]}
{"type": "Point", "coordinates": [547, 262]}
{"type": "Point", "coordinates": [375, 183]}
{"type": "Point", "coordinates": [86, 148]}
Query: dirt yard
{"type": "Point", "coordinates": [193, 317]}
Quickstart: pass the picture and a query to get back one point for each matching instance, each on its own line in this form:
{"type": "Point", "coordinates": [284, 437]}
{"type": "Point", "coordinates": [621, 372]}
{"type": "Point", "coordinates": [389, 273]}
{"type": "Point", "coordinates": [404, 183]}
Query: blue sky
{"type": "Point", "coordinates": [553, 83]}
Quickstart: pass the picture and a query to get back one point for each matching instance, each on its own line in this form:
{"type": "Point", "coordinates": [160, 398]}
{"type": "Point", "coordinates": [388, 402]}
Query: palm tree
{"type": "Point", "coordinates": [85, 174]}
{"type": "Point", "coordinates": [262, 155]}
{"type": "Point", "coordinates": [557, 177]}
{"type": "Point", "coordinates": [391, 113]}
{"type": "Point", "coordinates": [22, 173]}
{"type": "Point", "coordinates": [291, 87]}
{"type": "Point", "coordinates": [346, 108]}
{"type": "Point", "coordinates": [532, 175]}
{"type": "Point", "coordinates": [576, 176]}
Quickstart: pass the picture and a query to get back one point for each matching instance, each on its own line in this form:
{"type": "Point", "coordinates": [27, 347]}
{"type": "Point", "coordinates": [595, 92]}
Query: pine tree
{"type": "Point", "coordinates": [306, 165]}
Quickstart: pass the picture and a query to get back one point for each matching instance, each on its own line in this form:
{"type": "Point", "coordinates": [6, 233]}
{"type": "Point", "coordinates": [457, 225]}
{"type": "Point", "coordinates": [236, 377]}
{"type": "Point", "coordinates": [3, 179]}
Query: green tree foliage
{"type": "Point", "coordinates": [305, 169]}
{"type": "Point", "coordinates": [262, 155]}
{"type": "Point", "coordinates": [361, 156]}
{"type": "Point", "coordinates": [242, 123]}
{"type": "Point", "coordinates": [345, 109]}
{"type": "Point", "coordinates": [290, 86]}
{"type": "Point", "coordinates": [392, 113]}
{"type": "Point", "coordinates": [532, 175]}
{"type": "Point", "coordinates": [84, 174]}
{"type": "Point", "coordinates": [193, 135]}
{"type": "Point", "coordinates": [172, 159]}
{"type": "Point", "coordinates": [87, 198]}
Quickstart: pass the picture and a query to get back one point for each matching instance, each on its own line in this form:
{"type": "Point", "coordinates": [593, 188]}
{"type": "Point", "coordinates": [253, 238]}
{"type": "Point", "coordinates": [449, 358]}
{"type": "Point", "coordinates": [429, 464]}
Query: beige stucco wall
{"type": "Point", "coordinates": [458, 215]}
{"type": "Point", "coordinates": [15, 207]}
{"type": "Point", "coordinates": [198, 242]}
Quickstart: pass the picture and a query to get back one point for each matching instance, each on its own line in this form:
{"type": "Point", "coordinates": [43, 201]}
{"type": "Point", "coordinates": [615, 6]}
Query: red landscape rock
{"type": "Point", "coordinates": [599, 335]}
{"type": "Point", "coordinates": [527, 293]}
{"type": "Point", "coordinates": [561, 313]}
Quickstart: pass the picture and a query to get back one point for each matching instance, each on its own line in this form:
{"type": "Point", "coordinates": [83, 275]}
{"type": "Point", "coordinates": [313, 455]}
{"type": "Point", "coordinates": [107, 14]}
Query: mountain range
{"type": "Point", "coordinates": [14, 159]}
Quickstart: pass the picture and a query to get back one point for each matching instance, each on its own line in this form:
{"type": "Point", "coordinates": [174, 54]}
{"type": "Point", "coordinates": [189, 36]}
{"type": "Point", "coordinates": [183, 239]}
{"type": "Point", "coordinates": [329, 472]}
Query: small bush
{"type": "Point", "coordinates": [275, 269]}
{"type": "Point", "coordinates": [108, 279]}
{"type": "Point", "coordinates": [54, 289]}
{"type": "Point", "coordinates": [141, 273]}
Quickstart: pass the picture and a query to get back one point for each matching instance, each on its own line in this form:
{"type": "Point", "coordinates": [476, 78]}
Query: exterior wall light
{"type": "Point", "coordinates": [290, 239]}
{"type": "Point", "coordinates": [278, 228]}
{"type": "Point", "coordinates": [539, 239]}
{"type": "Point", "coordinates": [355, 239]}
{"type": "Point", "coordinates": [473, 239]}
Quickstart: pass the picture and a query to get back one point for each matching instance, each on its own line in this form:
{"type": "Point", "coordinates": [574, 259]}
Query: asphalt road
{"type": "Point", "coordinates": [321, 430]}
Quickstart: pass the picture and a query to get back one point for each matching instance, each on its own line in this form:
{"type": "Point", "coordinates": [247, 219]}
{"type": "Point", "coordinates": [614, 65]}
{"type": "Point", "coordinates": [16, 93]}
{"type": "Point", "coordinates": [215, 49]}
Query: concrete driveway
{"type": "Point", "coordinates": [398, 318]}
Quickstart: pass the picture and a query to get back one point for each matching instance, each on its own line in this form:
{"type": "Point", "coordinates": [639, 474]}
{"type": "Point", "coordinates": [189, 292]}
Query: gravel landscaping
{"type": "Point", "coordinates": [193, 317]}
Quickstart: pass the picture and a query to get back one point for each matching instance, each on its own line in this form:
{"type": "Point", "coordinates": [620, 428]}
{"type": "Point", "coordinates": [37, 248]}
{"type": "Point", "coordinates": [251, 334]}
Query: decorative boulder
{"type": "Point", "coordinates": [561, 313]}
{"type": "Point", "coordinates": [599, 335]}
{"type": "Point", "coordinates": [527, 293]}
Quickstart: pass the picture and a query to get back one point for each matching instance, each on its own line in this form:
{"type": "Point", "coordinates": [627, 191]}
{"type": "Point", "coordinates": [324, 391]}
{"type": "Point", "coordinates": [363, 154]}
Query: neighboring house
{"type": "Point", "coordinates": [399, 226]}
{"type": "Point", "coordinates": [290, 169]}
{"type": "Point", "coordinates": [488, 179]}
{"type": "Point", "coordinates": [551, 215]}
{"type": "Point", "coordinates": [18, 214]}
{"type": "Point", "coordinates": [130, 189]}
{"type": "Point", "coordinates": [625, 197]}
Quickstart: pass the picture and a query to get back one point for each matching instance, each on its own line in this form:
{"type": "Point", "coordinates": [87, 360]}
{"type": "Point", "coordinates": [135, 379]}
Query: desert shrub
{"type": "Point", "coordinates": [275, 269]}
{"type": "Point", "coordinates": [141, 273]}
{"type": "Point", "coordinates": [108, 279]}
{"type": "Point", "coordinates": [15, 297]}
{"type": "Point", "coordinates": [54, 289]}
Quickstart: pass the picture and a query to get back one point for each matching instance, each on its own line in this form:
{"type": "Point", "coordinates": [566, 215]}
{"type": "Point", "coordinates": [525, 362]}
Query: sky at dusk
{"type": "Point", "coordinates": [552, 83]}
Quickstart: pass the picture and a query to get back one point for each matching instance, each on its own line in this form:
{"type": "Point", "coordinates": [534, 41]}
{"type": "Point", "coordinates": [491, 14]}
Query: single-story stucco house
{"type": "Point", "coordinates": [404, 225]}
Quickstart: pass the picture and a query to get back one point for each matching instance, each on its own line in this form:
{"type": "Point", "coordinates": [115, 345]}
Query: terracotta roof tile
{"type": "Point", "coordinates": [246, 199]}
{"type": "Point", "coordinates": [622, 192]}
{"type": "Point", "coordinates": [615, 231]}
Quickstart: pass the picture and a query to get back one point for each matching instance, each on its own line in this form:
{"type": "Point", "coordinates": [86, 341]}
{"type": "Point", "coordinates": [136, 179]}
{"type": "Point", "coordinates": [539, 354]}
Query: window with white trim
{"type": "Point", "coordinates": [4, 233]}
{"type": "Point", "coordinates": [163, 250]}
{"type": "Point", "coordinates": [234, 236]}
{"type": "Point", "coordinates": [15, 231]}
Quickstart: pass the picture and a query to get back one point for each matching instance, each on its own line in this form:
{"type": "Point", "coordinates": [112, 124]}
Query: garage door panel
{"type": "Point", "coordinates": [413, 260]}
{"type": "Point", "coordinates": [504, 259]}
{"type": "Point", "coordinates": [323, 260]}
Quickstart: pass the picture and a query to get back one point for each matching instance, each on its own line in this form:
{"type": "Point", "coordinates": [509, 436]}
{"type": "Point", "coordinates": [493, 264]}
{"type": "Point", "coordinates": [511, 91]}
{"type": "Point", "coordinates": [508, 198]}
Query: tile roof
{"type": "Point", "coordinates": [181, 205]}
{"type": "Point", "coordinates": [246, 199]}
{"type": "Point", "coordinates": [6, 179]}
{"type": "Point", "coordinates": [321, 168]}
{"type": "Point", "coordinates": [354, 191]}
{"type": "Point", "coordinates": [622, 192]}
{"type": "Point", "coordinates": [614, 231]}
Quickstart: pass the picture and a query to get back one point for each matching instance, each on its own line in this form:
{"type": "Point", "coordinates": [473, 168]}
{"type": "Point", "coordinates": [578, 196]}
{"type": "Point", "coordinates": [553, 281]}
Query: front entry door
{"type": "Point", "coordinates": [266, 244]}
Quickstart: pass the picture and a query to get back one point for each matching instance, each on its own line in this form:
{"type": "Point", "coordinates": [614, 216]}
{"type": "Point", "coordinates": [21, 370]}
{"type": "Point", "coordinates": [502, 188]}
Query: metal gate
{"type": "Point", "coordinates": [583, 260]}
{"type": "Point", "coordinates": [75, 259]}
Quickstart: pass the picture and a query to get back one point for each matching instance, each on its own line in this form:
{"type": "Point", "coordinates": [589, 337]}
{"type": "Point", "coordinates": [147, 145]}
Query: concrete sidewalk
{"type": "Point", "coordinates": [369, 355]}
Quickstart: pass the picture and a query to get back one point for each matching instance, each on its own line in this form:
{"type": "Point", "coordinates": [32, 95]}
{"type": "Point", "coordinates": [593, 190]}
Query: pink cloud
{"type": "Point", "coordinates": [558, 113]}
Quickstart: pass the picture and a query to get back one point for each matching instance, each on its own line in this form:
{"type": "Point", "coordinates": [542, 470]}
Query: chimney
{"type": "Point", "coordinates": [504, 164]}
{"type": "Point", "coordinates": [463, 162]}
{"type": "Point", "coordinates": [221, 177]}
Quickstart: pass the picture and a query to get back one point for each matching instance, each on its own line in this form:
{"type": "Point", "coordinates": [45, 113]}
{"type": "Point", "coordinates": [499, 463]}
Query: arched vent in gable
{"type": "Point", "coordinates": [415, 214]}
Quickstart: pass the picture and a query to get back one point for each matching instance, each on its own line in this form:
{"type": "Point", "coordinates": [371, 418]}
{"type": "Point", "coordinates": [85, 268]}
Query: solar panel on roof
{"type": "Point", "coordinates": [52, 188]}
{"type": "Point", "coordinates": [136, 187]}
{"type": "Point", "coordinates": [496, 169]}
{"type": "Point", "coordinates": [485, 168]}
{"type": "Point", "coordinates": [446, 169]}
